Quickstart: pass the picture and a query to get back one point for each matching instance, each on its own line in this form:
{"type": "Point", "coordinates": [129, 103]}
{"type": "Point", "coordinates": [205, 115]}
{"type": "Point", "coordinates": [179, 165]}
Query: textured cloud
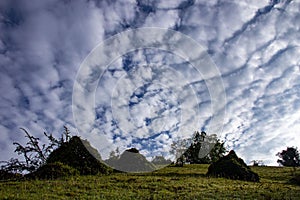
{"type": "Point", "coordinates": [254, 44]}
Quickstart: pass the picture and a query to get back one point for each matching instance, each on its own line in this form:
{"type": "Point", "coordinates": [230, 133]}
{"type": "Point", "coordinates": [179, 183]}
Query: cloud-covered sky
{"type": "Point", "coordinates": [144, 95]}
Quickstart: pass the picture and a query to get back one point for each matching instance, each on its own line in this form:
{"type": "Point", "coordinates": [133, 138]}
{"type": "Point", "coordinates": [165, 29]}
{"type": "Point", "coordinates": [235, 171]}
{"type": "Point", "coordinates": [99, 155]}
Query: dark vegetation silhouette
{"type": "Point", "coordinates": [256, 163]}
{"type": "Point", "coordinates": [80, 155]}
{"type": "Point", "coordinates": [290, 158]}
{"type": "Point", "coordinates": [61, 157]}
{"type": "Point", "coordinates": [232, 167]}
{"type": "Point", "coordinates": [33, 152]}
{"type": "Point", "coordinates": [72, 156]}
{"type": "Point", "coordinates": [53, 171]}
{"type": "Point", "coordinates": [202, 143]}
{"type": "Point", "coordinates": [200, 149]}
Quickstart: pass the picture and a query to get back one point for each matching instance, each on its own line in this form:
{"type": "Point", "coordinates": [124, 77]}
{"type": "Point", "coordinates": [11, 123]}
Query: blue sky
{"type": "Point", "coordinates": [144, 96]}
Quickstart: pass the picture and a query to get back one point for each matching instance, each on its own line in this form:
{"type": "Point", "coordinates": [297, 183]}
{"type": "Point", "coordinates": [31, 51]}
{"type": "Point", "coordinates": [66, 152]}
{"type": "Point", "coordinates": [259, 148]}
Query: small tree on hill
{"type": "Point", "coordinates": [204, 149]}
{"type": "Point", "coordinates": [289, 157]}
{"type": "Point", "coordinates": [257, 163]}
{"type": "Point", "coordinates": [178, 148]}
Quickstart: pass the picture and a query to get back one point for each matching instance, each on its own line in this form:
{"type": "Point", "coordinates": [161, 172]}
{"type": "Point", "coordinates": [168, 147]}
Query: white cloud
{"type": "Point", "coordinates": [254, 44]}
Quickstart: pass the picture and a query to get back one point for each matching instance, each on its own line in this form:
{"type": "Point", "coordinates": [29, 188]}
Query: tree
{"type": "Point", "coordinates": [34, 153]}
{"type": "Point", "coordinates": [204, 149]}
{"type": "Point", "coordinates": [289, 158]}
{"type": "Point", "coordinates": [200, 149]}
{"type": "Point", "coordinates": [257, 163]}
{"type": "Point", "coordinates": [178, 148]}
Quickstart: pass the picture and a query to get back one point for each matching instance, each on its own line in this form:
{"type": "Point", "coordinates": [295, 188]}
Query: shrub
{"type": "Point", "coordinates": [5, 175]}
{"type": "Point", "coordinates": [296, 180]}
{"type": "Point", "coordinates": [232, 167]}
{"type": "Point", "coordinates": [80, 155]}
{"type": "Point", "coordinates": [53, 171]}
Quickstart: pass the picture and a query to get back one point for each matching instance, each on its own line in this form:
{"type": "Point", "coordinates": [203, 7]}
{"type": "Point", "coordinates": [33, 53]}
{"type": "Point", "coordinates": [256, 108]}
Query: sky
{"type": "Point", "coordinates": [145, 73]}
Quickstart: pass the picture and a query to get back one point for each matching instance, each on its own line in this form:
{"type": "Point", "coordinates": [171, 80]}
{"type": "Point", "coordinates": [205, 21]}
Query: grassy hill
{"type": "Point", "coordinates": [188, 182]}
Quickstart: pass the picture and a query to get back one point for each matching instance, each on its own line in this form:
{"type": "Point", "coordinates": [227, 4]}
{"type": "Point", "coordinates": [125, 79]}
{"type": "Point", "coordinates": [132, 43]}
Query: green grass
{"type": "Point", "coordinates": [188, 182]}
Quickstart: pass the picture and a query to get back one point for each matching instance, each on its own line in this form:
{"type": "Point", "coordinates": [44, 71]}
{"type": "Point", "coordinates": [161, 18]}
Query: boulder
{"type": "Point", "coordinates": [232, 167]}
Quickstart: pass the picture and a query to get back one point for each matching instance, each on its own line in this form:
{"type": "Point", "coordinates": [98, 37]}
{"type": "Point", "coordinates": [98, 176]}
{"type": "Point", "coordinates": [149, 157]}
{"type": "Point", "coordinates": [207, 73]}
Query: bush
{"type": "Point", "coordinates": [53, 171]}
{"type": "Point", "coordinates": [296, 180]}
{"type": "Point", "coordinates": [80, 155]}
{"type": "Point", "coordinates": [232, 167]}
{"type": "Point", "coordinates": [5, 175]}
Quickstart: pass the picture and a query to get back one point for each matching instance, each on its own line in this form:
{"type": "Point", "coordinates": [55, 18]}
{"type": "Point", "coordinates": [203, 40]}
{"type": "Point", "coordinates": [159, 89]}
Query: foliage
{"type": "Point", "coordinates": [232, 167]}
{"type": "Point", "coordinates": [13, 166]}
{"type": "Point", "coordinates": [188, 182]}
{"type": "Point", "coordinates": [53, 171]}
{"type": "Point", "coordinates": [5, 175]}
{"type": "Point", "coordinates": [289, 157]}
{"type": "Point", "coordinates": [34, 153]}
{"type": "Point", "coordinates": [257, 163]}
{"type": "Point", "coordinates": [200, 149]}
{"type": "Point", "coordinates": [80, 155]}
{"type": "Point", "coordinates": [296, 179]}
{"type": "Point", "coordinates": [178, 148]}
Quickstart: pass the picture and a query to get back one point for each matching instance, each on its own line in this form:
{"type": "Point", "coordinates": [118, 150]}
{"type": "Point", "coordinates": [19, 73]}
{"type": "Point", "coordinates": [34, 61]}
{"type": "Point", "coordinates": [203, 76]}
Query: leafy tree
{"type": "Point", "coordinates": [204, 149]}
{"type": "Point", "coordinates": [257, 163]}
{"type": "Point", "coordinates": [178, 148]}
{"type": "Point", "coordinates": [289, 157]}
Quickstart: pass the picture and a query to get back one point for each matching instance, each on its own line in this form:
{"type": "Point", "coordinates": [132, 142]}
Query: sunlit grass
{"type": "Point", "coordinates": [188, 182]}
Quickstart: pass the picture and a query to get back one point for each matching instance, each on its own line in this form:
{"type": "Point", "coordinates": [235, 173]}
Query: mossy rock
{"type": "Point", "coordinates": [53, 171]}
{"type": "Point", "coordinates": [232, 167]}
{"type": "Point", "coordinates": [80, 155]}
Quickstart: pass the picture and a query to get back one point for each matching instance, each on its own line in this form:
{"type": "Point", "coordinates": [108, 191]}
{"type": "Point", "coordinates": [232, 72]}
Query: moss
{"type": "Point", "coordinates": [80, 155]}
{"type": "Point", "coordinates": [53, 171]}
{"type": "Point", "coordinates": [296, 180]}
{"type": "Point", "coordinates": [232, 167]}
{"type": "Point", "coordinates": [5, 175]}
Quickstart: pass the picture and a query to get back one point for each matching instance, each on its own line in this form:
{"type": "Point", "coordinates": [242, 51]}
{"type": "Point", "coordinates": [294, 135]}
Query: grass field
{"type": "Point", "coordinates": [188, 182]}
